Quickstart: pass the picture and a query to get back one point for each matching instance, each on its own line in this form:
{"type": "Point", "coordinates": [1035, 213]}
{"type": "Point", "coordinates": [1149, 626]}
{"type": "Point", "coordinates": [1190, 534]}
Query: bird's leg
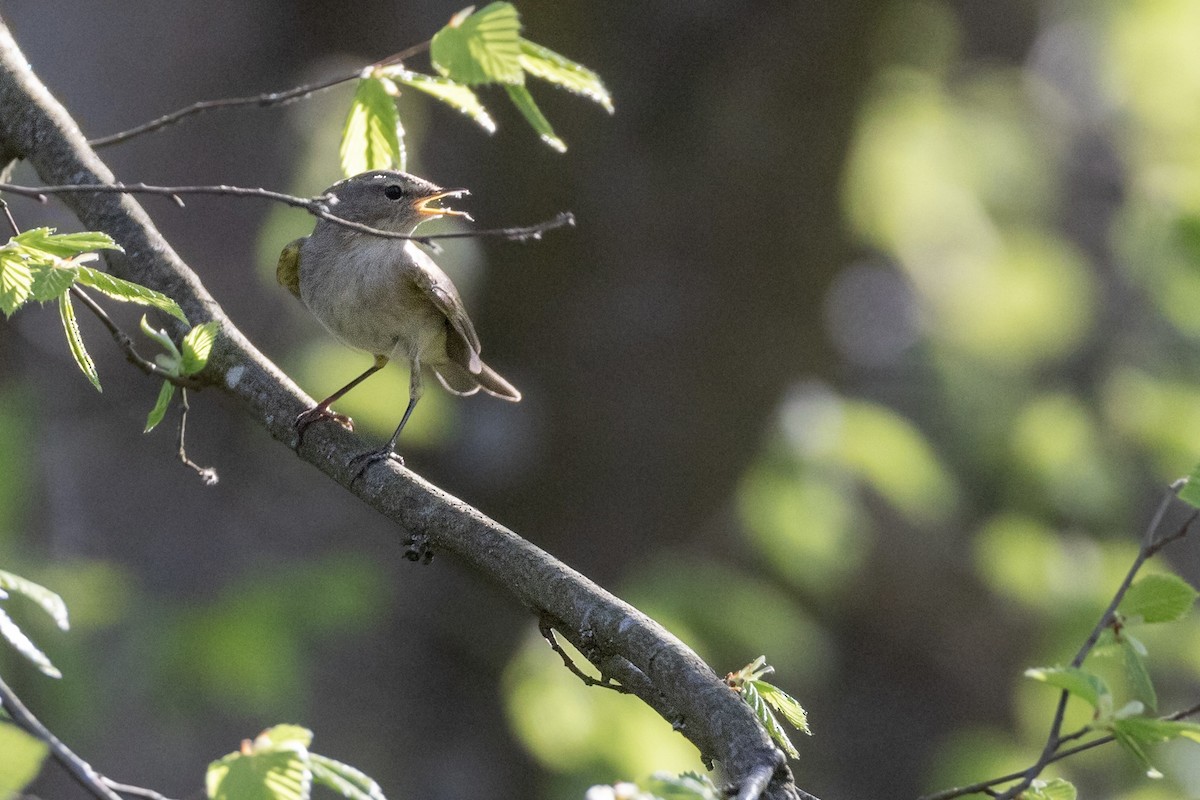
{"type": "Point", "coordinates": [415, 390]}
{"type": "Point", "coordinates": [322, 411]}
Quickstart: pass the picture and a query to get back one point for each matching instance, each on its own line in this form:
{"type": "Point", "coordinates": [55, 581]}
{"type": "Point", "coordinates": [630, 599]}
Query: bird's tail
{"type": "Point", "coordinates": [460, 380]}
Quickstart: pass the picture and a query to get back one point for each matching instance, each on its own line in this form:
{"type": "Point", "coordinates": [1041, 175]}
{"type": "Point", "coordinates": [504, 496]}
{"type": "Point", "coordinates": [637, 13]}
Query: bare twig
{"type": "Point", "coordinates": [313, 205]}
{"type": "Point", "coordinates": [258, 100]}
{"type": "Point", "coordinates": [79, 769]}
{"type": "Point", "coordinates": [136, 791]}
{"type": "Point", "coordinates": [547, 631]}
{"type": "Point", "coordinates": [207, 474]}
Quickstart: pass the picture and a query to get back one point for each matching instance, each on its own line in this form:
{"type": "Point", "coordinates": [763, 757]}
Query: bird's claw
{"type": "Point", "coordinates": [364, 460]}
{"type": "Point", "coordinates": [317, 414]}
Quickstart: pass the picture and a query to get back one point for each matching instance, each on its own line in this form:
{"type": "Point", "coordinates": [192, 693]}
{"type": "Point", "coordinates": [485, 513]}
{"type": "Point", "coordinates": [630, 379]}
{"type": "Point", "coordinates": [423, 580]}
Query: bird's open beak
{"type": "Point", "coordinates": [422, 205]}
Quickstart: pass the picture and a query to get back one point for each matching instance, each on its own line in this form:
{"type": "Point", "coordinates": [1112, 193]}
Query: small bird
{"type": "Point", "coordinates": [386, 296]}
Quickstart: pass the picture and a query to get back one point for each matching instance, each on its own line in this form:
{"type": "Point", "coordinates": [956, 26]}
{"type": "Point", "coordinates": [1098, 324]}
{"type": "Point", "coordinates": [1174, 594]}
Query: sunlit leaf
{"type": "Point", "coordinates": [544, 63]}
{"type": "Point", "coordinates": [372, 137]}
{"type": "Point", "coordinates": [523, 100]}
{"type": "Point", "coordinates": [1081, 683]}
{"type": "Point", "coordinates": [283, 737]}
{"type": "Point", "coordinates": [50, 281]}
{"type": "Point", "coordinates": [1057, 789]}
{"type": "Point", "coordinates": [197, 345]}
{"type": "Point", "coordinates": [785, 704]}
{"type": "Point", "coordinates": [75, 340]}
{"type": "Point", "coordinates": [160, 406]}
{"type": "Point", "coordinates": [272, 775]}
{"type": "Point", "coordinates": [22, 759]}
{"type": "Point", "coordinates": [483, 47]}
{"type": "Point", "coordinates": [1134, 733]}
{"type": "Point", "coordinates": [1158, 598]}
{"type": "Point", "coordinates": [64, 245]}
{"type": "Point", "coordinates": [453, 94]}
{"type": "Point", "coordinates": [1190, 493]}
{"type": "Point", "coordinates": [1136, 672]}
{"type": "Point", "coordinates": [49, 601]}
{"type": "Point", "coordinates": [128, 292]}
{"type": "Point", "coordinates": [17, 638]}
{"type": "Point", "coordinates": [16, 282]}
{"type": "Point", "coordinates": [763, 712]}
{"type": "Point", "coordinates": [685, 786]}
{"type": "Point", "coordinates": [344, 779]}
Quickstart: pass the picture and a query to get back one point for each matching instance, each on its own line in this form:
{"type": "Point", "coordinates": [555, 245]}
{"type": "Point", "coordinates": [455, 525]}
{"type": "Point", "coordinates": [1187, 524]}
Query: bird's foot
{"type": "Point", "coordinates": [318, 414]}
{"type": "Point", "coordinates": [364, 460]}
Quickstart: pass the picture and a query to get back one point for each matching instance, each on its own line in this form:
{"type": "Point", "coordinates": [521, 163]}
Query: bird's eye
{"type": "Point", "coordinates": [393, 192]}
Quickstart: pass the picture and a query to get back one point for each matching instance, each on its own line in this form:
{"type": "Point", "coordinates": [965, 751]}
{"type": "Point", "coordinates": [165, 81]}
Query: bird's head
{"type": "Point", "coordinates": [390, 200]}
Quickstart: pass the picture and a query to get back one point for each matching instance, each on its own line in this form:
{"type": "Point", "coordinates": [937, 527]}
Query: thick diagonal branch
{"type": "Point", "coordinates": [632, 648]}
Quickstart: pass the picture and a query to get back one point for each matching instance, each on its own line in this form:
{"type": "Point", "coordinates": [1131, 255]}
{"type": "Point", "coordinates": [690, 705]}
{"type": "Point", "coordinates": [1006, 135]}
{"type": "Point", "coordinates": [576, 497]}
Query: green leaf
{"type": "Point", "coordinates": [1057, 789]}
{"type": "Point", "coordinates": [542, 62]}
{"type": "Point", "coordinates": [64, 245]}
{"type": "Point", "coordinates": [17, 638]}
{"type": "Point", "coordinates": [129, 292]}
{"type": "Point", "coordinates": [160, 406]}
{"type": "Point", "coordinates": [452, 94]}
{"type": "Point", "coordinates": [372, 137]}
{"type": "Point", "coordinates": [344, 779]}
{"type": "Point", "coordinates": [23, 757]}
{"type": "Point", "coordinates": [16, 281]}
{"type": "Point", "coordinates": [49, 601]}
{"type": "Point", "coordinates": [283, 737]}
{"type": "Point", "coordinates": [685, 786]}
{"type": "Point", "coordinates": [1136, 672]}
{"type": "Point", "coordinates": [784, 703]}
{"type": "Point", "coordinates": [761, 710]}
{"type": "Point", "coordinates": [1135, 733]}
{"type": "Point", "coordinates": [1081, 683]}
{"type": "Point", "coordinates": [197, 345]}
{"type": "Point", "coordinates": [523, 100]}
{"type": "Point", "coordinates": [75, 340]}
{"type": "Point", "coordinates": [1158, 598]}
{"type": "Point", "coordinates": [1190, 493]}
{"type": "Point", "coordinates": [51, 281]}
{"type": "Point", "coordinates": [270, 775]}
{"type": "Point", "coordinates": [483, 47]}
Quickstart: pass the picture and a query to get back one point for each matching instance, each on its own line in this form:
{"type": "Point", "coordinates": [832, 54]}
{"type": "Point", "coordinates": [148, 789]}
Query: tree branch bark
{"type": "Point", "coordinates": [623, 643]}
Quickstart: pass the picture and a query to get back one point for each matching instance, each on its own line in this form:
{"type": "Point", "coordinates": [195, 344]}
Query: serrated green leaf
{"type": "Point", "coordinates": [23, 757]}
{"type": "Point", "coordinates": [372, 137]}
{"type": "Point", "coordinates": [1137, 674]}
{"type": "Point", "coordinates": [1057, 789]}
{"type": "Point", "coordinates": [160, 406]}
{"type": "Point", "coordinates": [51, 281]}
{"type": "Point", "coordinates": [523, 100]}
{"type": "Point", "coordinates": [64, 245]}
{"type": "Point", "coordinates": [283, 737]}
{"type": "Point", "coordinates": [453, 94]}
{"type": "Point", "coordinates": [344, 779]}
{"type": "Point", "coordinates": [1158, 598]}
{"type": "Point", "coordinates": [1078, 682]}
{"type": "Point", "coordinates": [17, 638]}
{"type": "Point", "coordinates": [767, 718]}
{"type": "Point", "coordinates": [785, 704]}
{"type": "Point", "coordinates": [542, 62]}
{"type": "Point", "coordinates": [273, 775]}
{"type": "Point", "coordinates": [129, 292]}
{"type": "Point", "coordinates": [49, 601]}
{"type": "Point", "coordinates": [16, 282]}
{"type": "Point", "coordinates": [75, 340]}
{"type": "Point", "coordinates": [484, 47]}
{"type": "Point", "coordinates": [1190, 493]}
{"type": "Point", "coordinates": [685, 786]}
{"type": "Point", "coordinates": [1135, 733]}
{"type": "Point", "coordinates": [197, 345]}
{"type": "Point", "coordinates": [1136, 749]}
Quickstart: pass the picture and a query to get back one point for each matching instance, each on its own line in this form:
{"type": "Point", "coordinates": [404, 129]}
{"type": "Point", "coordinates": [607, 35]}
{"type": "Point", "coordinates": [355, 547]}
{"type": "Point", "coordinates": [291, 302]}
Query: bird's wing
{"type": "Point", "coordinates": [287, 271]}
{"type": "Point", "coordinates": [438, 289]}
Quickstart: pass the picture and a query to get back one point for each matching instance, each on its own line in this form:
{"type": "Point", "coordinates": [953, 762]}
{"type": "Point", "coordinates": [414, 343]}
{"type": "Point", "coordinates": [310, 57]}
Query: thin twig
{"type": "Point", "coordinates": [313, 205]}
{"type": "Point", "coordinates": [207, 474]}
{"type": "Point", "coordinates": [12, 223]}
{"type": "Point", "coordinates": [547, 632]}
{"type": "Point", "coordinates": [259, 100]}
{"type": "Point", "coordinates": [136, 791]}
{"type": "Point", "coordinates": [79, 769]}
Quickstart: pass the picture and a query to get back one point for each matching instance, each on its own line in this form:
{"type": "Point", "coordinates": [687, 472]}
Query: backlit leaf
{"type": "Point", "coordinates": [160, 406]}
{"type": "Point", "coordinates": [523, 100]}
{"type": "Point", "coordinates": [544, 63]}
{"type": "Point", "coordinates": [75, 340]}
{"type": "Point", "coordinates": [1158, 598]}
{"type": "Point", "coordinates": [372, 137]}
{"type": "Point", "coordinates": [483, 47]}
{"type": "Point", "coordinates": [128, 292]}
{"type": "Point", "coordinates": [449, 92]}
{"type": "Point", "coordinates": [49, 601]}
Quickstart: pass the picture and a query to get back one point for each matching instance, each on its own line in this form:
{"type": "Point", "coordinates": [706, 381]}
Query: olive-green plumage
{"type": "Point", "coordinates": [387, 296]}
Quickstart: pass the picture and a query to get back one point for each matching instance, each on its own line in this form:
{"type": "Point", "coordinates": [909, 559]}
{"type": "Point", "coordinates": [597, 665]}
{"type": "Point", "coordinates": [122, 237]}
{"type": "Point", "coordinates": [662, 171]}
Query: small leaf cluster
{"type": "Point", "coordinates": [48, 601]}
{"type": "Point", "coordinates": [1153, 599]}
{"type": "Point", "coordinates": [278, 765]}
{"type": "Point", "coordinates": [179, 362]}
{"type": "Point", "coordinates": [766, 699]}
{"type": "Point", "coordinates": [660, 786]}
{"type": "Point", "coordinates": [476, 48]}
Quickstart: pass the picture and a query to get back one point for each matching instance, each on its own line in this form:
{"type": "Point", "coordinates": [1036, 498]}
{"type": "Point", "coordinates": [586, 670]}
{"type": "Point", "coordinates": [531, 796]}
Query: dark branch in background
{"type": "Point", "coordinates": [258, 100]}
{"type": "Point", "coordinates": [1052, 751]}
{"type": "Point", "coordinates": [621, 641]}
{"type": "Point", "coordinates": [80, 770]}
{"type": "Point", "coordinates": [313, 205]}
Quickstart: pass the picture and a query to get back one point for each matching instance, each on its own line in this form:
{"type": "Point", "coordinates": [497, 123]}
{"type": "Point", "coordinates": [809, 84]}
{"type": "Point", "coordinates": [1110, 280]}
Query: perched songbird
{"type": "Point", "coordinates": [386, 296]}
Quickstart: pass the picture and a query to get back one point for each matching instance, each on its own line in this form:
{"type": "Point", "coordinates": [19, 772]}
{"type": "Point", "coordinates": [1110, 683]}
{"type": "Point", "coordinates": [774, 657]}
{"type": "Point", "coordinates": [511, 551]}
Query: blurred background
{"type": "Point", "coordinates": [872, 352]}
